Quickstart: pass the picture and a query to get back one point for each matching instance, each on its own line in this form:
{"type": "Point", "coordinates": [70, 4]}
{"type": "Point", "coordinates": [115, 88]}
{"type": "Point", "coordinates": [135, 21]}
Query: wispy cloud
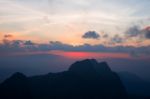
{"type": "Point", "coordinates": [56, 18]}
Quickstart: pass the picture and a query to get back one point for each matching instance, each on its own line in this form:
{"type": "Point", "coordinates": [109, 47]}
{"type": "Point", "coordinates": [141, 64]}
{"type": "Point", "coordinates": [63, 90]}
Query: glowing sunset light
{"type": "Point", "coordinates": [82, 55]}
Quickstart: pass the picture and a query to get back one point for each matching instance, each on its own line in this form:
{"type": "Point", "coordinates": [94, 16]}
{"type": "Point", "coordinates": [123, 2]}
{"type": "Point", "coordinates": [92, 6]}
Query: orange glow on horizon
{"type": "Point", "coordinates": [83, 55]}
{"type": "Point", "coordinates": [79, 55]}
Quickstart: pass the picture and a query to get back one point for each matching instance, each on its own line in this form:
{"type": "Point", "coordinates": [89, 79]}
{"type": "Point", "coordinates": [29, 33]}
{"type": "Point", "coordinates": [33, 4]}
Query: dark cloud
{"type": "Point", "coordinates": [117, 39]}
{"type": "Point", "coordinates": [133, 31]}
{"type": "Point", "coordinates": [56, 45]}
{"type": "Point", "coordinates": [136, 31]}
{"type": "Point", "coordinates": [15, 46]}
{"type": "Point", "coordinates": [105, 36]}
{"type": "Point", "coordinates": [28, 43]}
{"type": "Point", "coordinates": [8, 36]}
{"type": "Point", "coordinates": [91, 35]}
{"type": "Point", "coordinates": [147, 32]}
{"type": "Point", "coordinates": [148, 35]}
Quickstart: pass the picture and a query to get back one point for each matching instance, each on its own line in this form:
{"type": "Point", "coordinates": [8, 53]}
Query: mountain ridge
{"type": "Point", "coordinates": [86, 79]}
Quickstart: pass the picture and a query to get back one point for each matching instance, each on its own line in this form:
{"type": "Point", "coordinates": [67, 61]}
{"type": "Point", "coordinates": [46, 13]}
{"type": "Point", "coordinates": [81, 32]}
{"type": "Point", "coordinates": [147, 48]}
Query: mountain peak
{"type": "Point", "coordinates": [88, 60]}
{"type": "Point", "coordinates": [86, 65]}
{"type": "Point", "coordinates": [89, 66]}
{"type": "Point", "coordinates": [18, 75]}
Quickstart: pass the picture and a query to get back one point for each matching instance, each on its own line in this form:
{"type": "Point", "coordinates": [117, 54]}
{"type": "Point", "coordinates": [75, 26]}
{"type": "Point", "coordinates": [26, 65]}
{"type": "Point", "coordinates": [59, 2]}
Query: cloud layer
{"type": "Point", "coordinates": [16, 46]}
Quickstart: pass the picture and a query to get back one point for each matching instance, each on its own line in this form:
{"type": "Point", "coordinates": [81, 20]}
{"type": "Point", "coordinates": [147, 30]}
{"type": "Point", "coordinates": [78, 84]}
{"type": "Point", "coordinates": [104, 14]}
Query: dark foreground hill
{"type": "Point", "coordinates": [85, 79]}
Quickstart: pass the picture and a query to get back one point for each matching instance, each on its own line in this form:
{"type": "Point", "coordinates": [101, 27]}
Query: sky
{"type": "Point", "coordinates": [74, 29]}
{"type": "Point", "coordinates": [67, 20]}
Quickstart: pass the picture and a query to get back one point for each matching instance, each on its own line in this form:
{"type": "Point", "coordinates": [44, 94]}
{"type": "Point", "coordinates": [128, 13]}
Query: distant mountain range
{"type": "Point", "coordinates": [135, 84]}
{"type": "Point", "coordinates": [86, 79]}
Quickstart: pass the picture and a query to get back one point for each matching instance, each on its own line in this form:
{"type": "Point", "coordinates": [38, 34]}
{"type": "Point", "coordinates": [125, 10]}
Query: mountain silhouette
{"type": "Point", "coordinates": [135, 84]}
{"type": "Point", "coordinates": [15, 87]}
{"type": "Point", "coordinates": [86, 79]}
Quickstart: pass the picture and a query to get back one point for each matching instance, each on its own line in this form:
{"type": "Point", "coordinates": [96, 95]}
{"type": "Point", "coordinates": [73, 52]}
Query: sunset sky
{"type": "Point", "coordinates": [39, 36]}
{"type": "Point", "coordinates": [67, 21]}
{"type": "Point", "coordinates": [110, 26]}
